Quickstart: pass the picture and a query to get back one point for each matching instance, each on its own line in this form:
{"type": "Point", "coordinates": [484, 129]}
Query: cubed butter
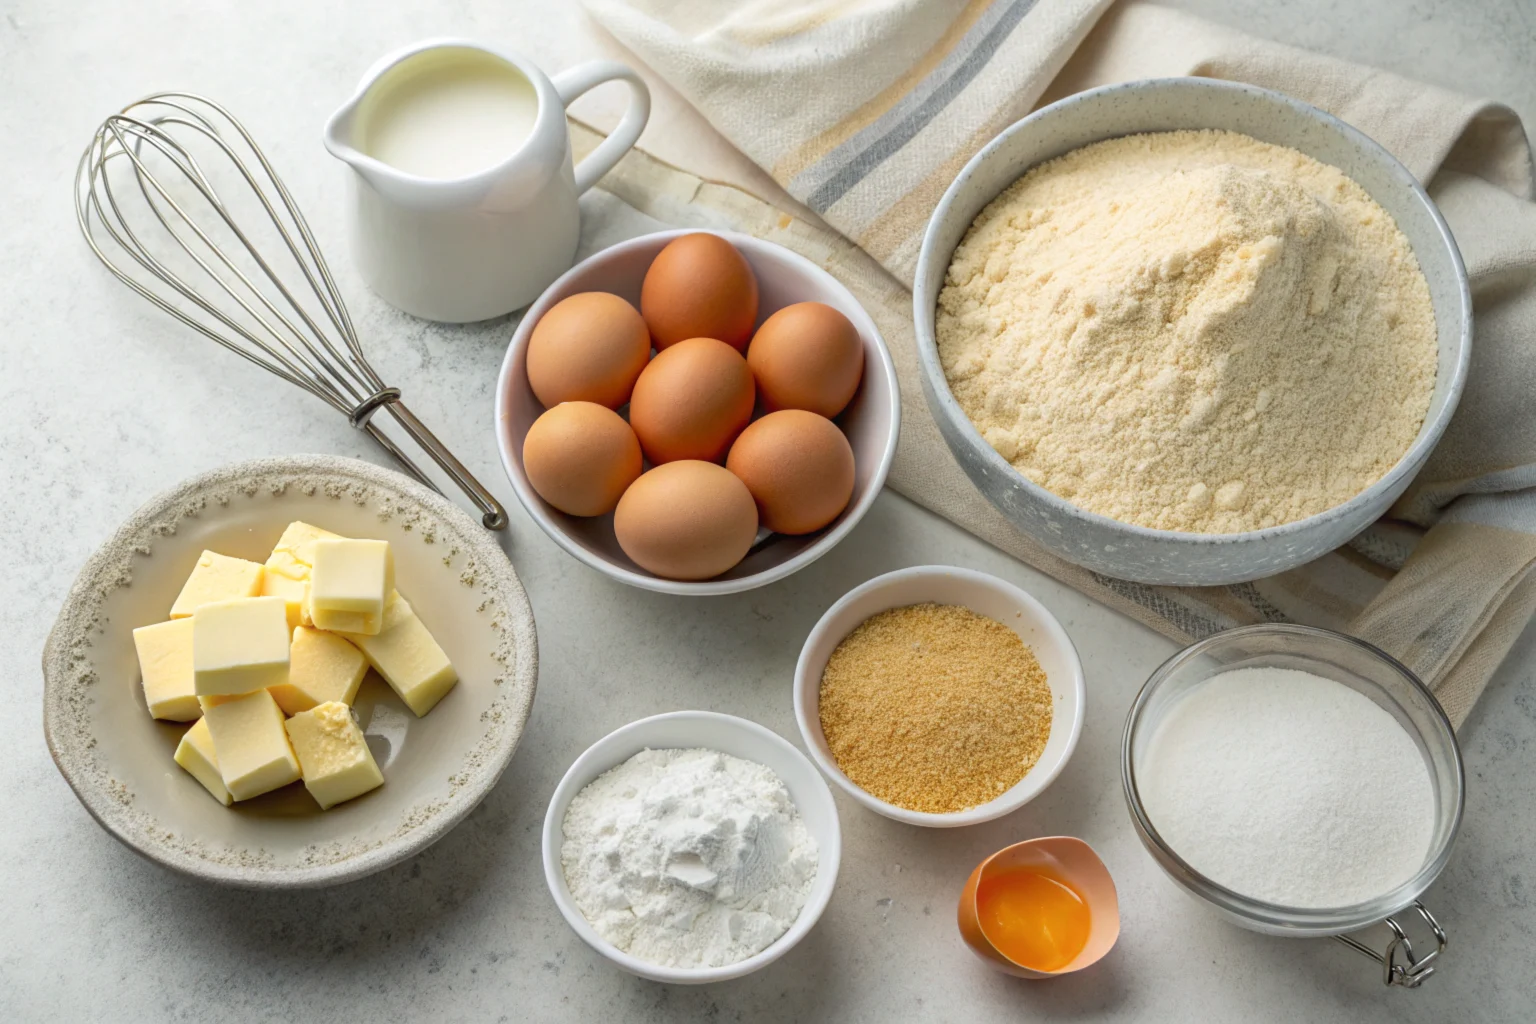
{"type": "Point", "coordinates": [293, 553]}
{"type": "Point", "coordinates": [287, 568]}
{"type": "Point", "coordinates": [195, 754]}
{"type": "Point", "coordinates": [333, 754]}
{"type": "Point", "coordinates": [251, 746]}
{"type": "Point", "coordinates": [217, 577]}
{"type": "Point", "coordinates": [165, 665]}
{"type": "Point", "coordinates": [291, 591]}
{"type": "Point", "coordinates": [405, 654]}
{"type": "Point", "coordinates": [349, 583]}
{"type": "Point", "coordinates": [322, 667]}
{"type": "Point", "coordinates": [240, 646]}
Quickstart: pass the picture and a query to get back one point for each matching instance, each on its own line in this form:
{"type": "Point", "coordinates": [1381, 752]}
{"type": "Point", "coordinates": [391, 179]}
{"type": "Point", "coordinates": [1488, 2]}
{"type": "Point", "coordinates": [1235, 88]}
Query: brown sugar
{"type": "Point", "coordinates": [934, 707]}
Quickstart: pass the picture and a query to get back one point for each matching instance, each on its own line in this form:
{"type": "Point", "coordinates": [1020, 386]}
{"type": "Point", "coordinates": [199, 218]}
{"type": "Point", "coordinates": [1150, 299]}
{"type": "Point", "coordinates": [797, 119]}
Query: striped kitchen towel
{"type": "Point", "coordinates": [865, 110]}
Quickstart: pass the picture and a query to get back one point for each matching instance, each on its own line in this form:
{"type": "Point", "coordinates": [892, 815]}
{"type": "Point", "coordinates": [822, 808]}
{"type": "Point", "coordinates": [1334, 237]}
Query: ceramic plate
{"type": "Point", "coordinates": [436, 769]}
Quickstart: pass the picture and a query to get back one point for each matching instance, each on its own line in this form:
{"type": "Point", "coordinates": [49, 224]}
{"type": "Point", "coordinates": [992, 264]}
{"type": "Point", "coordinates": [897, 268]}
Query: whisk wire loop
{"type": "Point", "coordinates": [290, 321]}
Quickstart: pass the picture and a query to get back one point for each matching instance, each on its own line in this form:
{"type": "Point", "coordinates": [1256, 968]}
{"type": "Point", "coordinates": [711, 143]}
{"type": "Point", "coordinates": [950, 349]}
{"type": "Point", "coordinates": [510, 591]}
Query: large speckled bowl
{"type": "Point", "coordinates": [1164, 556]}
{"type": "Point", "coordinates": [436, 768]}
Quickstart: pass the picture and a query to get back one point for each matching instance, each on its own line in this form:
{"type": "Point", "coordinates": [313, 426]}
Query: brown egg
{"type": "Point", "coordinates": [699, 286]}
{"type": "Point", "coordinates": [691, 401]}
{"type": "Point", "coordinates": [799, 468]}
{"type": "Point", "coordinates": [806, 356]}
{"type": "Point", "coordinates": [580, 456]}
{"type": "Point", "coordinates": [587, 348]}
{"type": "Point", "coordinates": [686, 520]}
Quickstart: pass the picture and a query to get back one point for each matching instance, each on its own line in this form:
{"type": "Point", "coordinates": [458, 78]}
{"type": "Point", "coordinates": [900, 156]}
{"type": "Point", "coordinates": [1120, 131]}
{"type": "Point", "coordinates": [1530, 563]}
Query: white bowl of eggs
{"type": "Point", "coordinates": [697, 412]}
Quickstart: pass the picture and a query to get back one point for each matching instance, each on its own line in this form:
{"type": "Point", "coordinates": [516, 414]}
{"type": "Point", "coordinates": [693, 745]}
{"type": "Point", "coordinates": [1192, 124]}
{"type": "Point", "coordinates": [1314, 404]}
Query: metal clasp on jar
{"type": "Point", "coordinates": [1399, 964]}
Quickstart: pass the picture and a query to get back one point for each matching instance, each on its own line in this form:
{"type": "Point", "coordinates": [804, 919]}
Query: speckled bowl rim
{"type": "Point", "coordinates": [73, 749]}
{"type": "Point", "coordinates": [939, 393]}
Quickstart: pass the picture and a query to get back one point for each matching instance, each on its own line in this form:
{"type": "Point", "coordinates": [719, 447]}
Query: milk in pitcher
{"type": "Point", "coordinates": [448, 113]}
{"type": "Point", "coordinates": [464, 193]}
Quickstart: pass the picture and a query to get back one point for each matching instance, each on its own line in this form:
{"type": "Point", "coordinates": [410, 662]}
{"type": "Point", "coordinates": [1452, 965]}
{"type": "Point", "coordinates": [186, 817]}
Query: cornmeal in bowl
{"type": "Point", "coordinates": [1191, 331]}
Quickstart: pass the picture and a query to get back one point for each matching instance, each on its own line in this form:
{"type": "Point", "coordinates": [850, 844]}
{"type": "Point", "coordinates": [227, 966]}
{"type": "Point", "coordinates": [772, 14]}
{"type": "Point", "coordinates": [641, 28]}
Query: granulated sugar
{"type": "Point", "coordinates": [1289, 788]}
{"type": "Point", "coordinates": [1190, 331]}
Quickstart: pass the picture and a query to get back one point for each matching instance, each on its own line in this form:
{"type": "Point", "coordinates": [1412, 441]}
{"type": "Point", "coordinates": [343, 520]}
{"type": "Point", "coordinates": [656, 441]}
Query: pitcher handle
{"type": "Point", "coordinates": [572, 82]}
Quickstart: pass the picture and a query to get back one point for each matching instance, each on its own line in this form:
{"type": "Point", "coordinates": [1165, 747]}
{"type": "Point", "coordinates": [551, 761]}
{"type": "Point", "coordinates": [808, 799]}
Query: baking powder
{"type": "Point", "coordinates": [688, 858]}
{"type": "Point", "coordinates": [1289, 788]}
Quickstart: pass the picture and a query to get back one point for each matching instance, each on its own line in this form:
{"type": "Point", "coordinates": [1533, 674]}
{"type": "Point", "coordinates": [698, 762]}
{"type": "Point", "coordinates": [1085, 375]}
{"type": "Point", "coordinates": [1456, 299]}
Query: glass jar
{"type": "Point", "coordinates": [1343, 659]}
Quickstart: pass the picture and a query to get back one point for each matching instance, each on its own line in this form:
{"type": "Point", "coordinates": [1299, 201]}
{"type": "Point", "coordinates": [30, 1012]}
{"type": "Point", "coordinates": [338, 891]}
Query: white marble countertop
{"type": "Point", "coordinates": [106, 402]}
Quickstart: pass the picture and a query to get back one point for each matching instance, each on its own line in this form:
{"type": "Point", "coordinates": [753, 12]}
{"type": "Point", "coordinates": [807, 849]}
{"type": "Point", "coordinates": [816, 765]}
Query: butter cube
{"type": "Point", "coordinates": [405, 654]}
{"type": "Point", "coordinates": [349, 582]}
{"type": "Point", "coordinates": [251, 745]}
{"type": "Point", "coordinates": [240, 646]}
{"type": "Point", "coordinates": [287, 568]}
{"type": "Point", "coordinates": [217, 577]}
{"type": "Point", "coordinates": [165, 663]}
{"type": "Point", "coordinates": [322, 667]}
{"type": "Point", "coordinates": [333, 754]}
{"type": "Point", "coordinates": [291, 591]}
{"type": "Point", "coordinates": [294, 552]}
{"type": "Point", "coordinates": [195, 754]}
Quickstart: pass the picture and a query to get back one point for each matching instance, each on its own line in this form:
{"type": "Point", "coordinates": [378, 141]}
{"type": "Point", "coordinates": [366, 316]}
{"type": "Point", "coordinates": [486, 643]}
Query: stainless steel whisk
{"type": "Point", "coordinates": [252, 311]}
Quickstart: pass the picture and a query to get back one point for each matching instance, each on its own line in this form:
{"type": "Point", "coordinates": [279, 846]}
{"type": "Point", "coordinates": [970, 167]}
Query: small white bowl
{"type": "Point", "coordinates": [871, 422]}
{"type": "Point", "coordinates": [730, 735]}
{"type": "Point", "coordinates": [985, 595]}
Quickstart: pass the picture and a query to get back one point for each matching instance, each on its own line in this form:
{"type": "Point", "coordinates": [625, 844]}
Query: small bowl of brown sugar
{"type": "Point", "coordinates": [939, 696]}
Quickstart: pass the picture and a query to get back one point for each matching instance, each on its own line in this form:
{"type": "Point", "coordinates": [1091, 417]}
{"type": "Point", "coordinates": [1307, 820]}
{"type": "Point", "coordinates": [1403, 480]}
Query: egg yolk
{"type": "Point", "coordinates": [1033, 919]}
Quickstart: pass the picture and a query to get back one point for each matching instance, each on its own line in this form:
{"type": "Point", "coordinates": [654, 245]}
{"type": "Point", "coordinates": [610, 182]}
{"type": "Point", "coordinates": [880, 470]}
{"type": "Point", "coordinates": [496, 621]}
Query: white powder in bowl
{"type": "Point", "coordinates": [688, 858]}
{"type": "Point", "coordinates": [1190, 331]}
{"type": "Point", "coordinates": [1288, 788]}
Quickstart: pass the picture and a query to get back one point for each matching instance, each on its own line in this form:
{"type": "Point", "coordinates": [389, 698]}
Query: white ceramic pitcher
{"type": "Point", "coordinates": [479, 246]}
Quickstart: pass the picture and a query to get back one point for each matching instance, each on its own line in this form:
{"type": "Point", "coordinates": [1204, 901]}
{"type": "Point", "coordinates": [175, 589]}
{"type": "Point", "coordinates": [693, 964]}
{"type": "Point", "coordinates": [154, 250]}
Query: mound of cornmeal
{"type": "Point", "coordinates": [1190, 331]}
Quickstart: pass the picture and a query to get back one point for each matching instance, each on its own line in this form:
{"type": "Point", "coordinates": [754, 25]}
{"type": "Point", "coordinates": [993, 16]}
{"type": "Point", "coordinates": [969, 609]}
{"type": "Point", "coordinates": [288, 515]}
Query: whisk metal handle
{"type": "Point", "coordinates": [492, 515]}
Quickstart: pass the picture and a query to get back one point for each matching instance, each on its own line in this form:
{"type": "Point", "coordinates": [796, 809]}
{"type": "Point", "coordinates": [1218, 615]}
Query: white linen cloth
{"type": "Point", "coordinates": [864, 110]}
